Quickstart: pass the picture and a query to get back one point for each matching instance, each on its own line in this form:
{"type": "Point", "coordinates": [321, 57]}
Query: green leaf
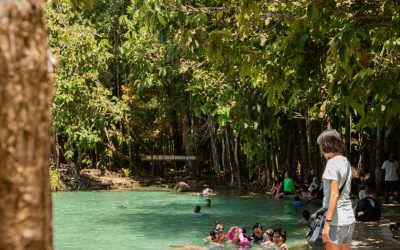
{"type": "Point", "coordinates": [364, 73]}
{"type": "Point", "coordinates": [161, 20]}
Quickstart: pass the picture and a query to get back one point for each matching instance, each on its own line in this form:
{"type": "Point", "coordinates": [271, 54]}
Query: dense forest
{"type": "Point", "coordinates": [245, 86]}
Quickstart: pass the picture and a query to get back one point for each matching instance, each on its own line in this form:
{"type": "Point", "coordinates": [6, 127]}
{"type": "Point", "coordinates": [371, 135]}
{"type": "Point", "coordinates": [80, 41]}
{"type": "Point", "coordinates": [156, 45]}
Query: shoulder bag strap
{"type": "Point", "coordinates": [344, 184]}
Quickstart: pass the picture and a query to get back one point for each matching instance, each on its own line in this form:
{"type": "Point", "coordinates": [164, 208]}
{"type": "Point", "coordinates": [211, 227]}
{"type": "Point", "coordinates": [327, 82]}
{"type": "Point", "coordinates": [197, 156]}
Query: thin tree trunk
{"type": "Point", "coordinates": [237, 161]}
{"type": "Point", "coordinates": [214, 151]}
{"type": "Point", "coordinates": [57, 150]}
{"type": "Point", "coordinates": [25, 138]}
{"type": "Point", "coordinates": [185, 137]}
{"type": "Point", "coordinates": [268, 172]}
{"type": "Point", "coordinates": [348, 137]}
{"type": "Point", "coordinates": [229, 160]}
{"type": "Point", "coordinates": [378, 162]}
{"type": "Point", "coordinates": [303, 149]}
{"type": "Point", "coordinates": [223, 154]}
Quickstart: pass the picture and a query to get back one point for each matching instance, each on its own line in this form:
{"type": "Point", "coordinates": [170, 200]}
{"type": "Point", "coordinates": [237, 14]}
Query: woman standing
{"type": "Point", "coordinates": [339, 222]}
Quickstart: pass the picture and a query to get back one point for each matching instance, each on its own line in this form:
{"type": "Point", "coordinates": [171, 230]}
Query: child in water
{"type": "Point", "coordinates": [258, 236]}
{"type": "Point", "coordinates": [280, 239]}
{"type": "Point", "coordinates": [269, 234]}
{"type": "Point", "coordinates": [238, 236]}
{"type": "Point", "coordinates": [297, 202]}
{"type": "Point", "coordinates": [305, 220]}
{"type": "Point", "coordinates": [218, 238]}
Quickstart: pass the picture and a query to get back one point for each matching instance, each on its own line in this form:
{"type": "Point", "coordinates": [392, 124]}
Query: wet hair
{"type": "Point", "coordinates": [214, 233]}
{"type": "Point", "coordinates": [269, 232]}
{"type": "Point", "coordinates": [282, 233]}
{"type": "Point", "coordinates": [306, 214]}
{"type": "Point", "coordinates": [208, 201]}
{"type": "Point", "coordinates": [258, 225]}
{"type": "Point", "coordinates": [197, 209]}
{"type": "Point", "coordinates": [330, 141]}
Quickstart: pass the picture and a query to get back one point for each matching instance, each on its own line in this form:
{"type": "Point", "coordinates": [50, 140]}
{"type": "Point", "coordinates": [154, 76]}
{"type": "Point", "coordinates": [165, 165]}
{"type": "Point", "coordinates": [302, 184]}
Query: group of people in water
{"type": "Point", "coordinates": [334, 190]}
{"type": "Point", "coordinates": [237, 236]}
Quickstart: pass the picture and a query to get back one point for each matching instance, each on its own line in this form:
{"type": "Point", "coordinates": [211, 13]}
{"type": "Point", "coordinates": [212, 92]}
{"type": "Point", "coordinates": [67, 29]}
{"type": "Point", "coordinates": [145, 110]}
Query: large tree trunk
{"type": "Point", "coordinates": [25, 140]}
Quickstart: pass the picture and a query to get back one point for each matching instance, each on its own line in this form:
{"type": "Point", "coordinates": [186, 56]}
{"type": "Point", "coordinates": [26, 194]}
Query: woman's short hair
{"type": "Point", "coordinates": [330, 141]}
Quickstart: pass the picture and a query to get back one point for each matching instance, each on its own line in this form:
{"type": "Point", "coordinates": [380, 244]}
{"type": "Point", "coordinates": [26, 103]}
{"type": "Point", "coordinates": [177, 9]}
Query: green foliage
{"type": "Point", "coordinates": [251, 67]}
{"type": "Point", "coordinates": [83, 107]}
{"type": "Point", "coordinates": [55, 180]}
{"type": "Point", "coordinates": [126, 171]}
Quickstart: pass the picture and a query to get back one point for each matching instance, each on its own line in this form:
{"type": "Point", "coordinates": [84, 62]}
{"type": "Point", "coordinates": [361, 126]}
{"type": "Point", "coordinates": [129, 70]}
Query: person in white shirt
{"type": "Point", "coordinates": [206, 191]}
{"type": "Point", "coordinates": [391, 168]}
{"type": "Point", "coordinates": [339, 221]}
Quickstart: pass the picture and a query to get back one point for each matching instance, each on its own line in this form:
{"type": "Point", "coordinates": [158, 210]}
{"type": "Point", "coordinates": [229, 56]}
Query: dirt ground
{"type": "Point", "coordinates": [377, 235]}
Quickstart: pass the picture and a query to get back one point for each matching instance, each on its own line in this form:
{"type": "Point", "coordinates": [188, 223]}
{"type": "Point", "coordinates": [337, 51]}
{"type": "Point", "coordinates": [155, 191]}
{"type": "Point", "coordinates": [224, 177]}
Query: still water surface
{"type": "Point", "coordinates": [158, 219]}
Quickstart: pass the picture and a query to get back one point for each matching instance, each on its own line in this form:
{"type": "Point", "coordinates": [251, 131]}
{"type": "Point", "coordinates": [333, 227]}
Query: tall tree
{"type": "Point", "coordinates": [25, 90]}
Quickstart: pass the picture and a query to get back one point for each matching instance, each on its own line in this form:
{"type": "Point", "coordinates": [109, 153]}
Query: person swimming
{"type": "Point", "coordinates": [258, 236]}
{"type": "Point", "coordinates": [280, 239]}
{"type": "Point", "coordinates": [297, 202]}
{"type": "Point", "coordinates": [197, 209]}
{"type": "Point", "coordinates": [217, 237]}
{"type": "Point", "coordinates": [269, 234]}
{"type": "Point", "coordinates": [238, 236]}
{"type": "Point", "coordinates": [305, 220]}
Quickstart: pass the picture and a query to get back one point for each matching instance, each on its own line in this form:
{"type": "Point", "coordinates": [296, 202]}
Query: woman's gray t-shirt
{"type": "Point", "coordinates": [336, 169]}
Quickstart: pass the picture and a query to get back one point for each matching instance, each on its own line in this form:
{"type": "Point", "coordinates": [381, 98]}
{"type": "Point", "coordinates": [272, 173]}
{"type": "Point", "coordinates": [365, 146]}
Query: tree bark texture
{"type": "Point", "coordinates": [185, 137]}
{"type": "Point", "coordinates": [25, 138]}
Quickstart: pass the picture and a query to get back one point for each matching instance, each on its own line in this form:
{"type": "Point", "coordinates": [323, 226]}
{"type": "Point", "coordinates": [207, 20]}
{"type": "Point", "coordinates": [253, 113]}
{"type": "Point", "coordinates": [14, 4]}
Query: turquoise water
{"type": "Point", "coordinates": [157, 219]}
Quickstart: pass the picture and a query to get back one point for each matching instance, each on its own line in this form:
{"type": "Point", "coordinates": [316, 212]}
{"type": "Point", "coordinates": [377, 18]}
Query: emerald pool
{"type": "Point", "coordinates": [159, 219]}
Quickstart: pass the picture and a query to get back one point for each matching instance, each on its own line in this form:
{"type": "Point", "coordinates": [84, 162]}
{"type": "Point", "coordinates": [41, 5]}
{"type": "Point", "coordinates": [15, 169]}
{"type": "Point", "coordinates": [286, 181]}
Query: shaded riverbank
{"type": "Point", "coordinates": [377, 235]}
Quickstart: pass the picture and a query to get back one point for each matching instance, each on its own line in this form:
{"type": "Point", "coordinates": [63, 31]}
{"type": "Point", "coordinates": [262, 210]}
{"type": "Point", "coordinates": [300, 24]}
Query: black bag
{"type": "Point", "coordinates": [314, 235]}
{"type": "Point", "coordinates": [317, 219]}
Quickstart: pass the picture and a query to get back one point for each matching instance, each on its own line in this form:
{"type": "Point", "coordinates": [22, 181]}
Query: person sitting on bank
{"type": "Point", "coordinates": [288, 188]}
{"type": "Point", "coordinates": [314, 187]}
{"type": "Point", "coordinates": [276, 187]}
{"type": "Point", "coordinates": [367, 208]}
